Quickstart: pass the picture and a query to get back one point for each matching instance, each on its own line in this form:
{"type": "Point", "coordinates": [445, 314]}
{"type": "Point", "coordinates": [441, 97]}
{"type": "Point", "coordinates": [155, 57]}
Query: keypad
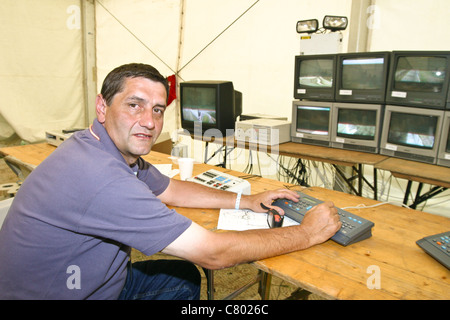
{"type": "Point", "coordinates": [354, 228]}
{"type": "Point", "coordinates": [437, 246]}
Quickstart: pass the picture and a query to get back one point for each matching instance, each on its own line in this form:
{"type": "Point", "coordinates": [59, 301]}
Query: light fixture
{"type": "Point", "coordinates": [335, 23]}
{"type": "Point", "coordinates": [307, 26]}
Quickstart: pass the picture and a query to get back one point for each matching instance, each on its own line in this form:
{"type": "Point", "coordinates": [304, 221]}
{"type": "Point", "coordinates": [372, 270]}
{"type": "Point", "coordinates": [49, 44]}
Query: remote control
{"type": "Point", "coordinates": [354, 228]}
{"type": "Point", "coordinates": [437, 246]}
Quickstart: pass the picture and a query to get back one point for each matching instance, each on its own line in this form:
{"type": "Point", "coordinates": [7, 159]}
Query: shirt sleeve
{"type": "Point", "coordinates": [152, 177]}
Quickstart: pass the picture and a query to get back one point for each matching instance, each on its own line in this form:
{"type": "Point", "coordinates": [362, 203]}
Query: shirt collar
{"type": "Point", "coordinates": [99, 133]}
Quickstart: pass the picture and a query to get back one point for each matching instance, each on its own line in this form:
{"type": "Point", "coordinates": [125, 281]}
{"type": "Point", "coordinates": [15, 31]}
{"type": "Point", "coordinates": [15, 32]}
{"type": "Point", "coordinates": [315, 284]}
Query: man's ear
{"type": "Point", "coordinates": [100, 108]}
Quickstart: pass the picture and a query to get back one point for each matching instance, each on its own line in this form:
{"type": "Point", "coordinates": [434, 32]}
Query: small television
{"type": "Point", "coordinates": [443, 158]}
{"type": "Point", "coordinates": [411, 133]}
{"type": "Point", "coordinates": [311, 122]}
{"type": "Point", "coordinates": [209, 108]}
{"type": "Point", "coordinates": [314, 77]}
{"type": "Point", "coordinates": [362, 77]}
{"type": "Point", "coordinates": [419, 79]}
{"type": "Point", "coordinates": [357, 126]}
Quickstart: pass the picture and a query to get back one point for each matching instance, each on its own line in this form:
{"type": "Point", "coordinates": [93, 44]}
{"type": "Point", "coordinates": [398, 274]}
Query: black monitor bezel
{"type": "Point", "coordinates": [315, 94]}
{"type": "Point", "coordinates": [432, 100]}
{"type": "Point", "coordinates": [225, 121]}
{"type": "Point", "coordinates": [374, 96]}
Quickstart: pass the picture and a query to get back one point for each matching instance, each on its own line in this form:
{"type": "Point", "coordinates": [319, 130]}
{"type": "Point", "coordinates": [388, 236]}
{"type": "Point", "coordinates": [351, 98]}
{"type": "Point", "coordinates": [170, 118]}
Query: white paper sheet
{"type": "Point", "coordinates": [240, 220]}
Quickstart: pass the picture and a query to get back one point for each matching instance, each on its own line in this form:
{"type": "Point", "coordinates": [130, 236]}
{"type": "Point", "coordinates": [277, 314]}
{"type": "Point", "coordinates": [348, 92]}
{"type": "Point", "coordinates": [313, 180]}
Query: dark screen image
{"type": "Point", "coordinates": [199, 104]}
{"type": "Point", "coordinates": [313, 120]}
{"type": "Point", "coordinates": [357, 124]}
{"type": "Point", "coordinates": [447, 149]}
{"type": "Point", "coordinates": [316, 73]}
{"type": "Point", "coordinates": [422, 74]}
{"type": "Point", "coordinates": [412, 130]}
{"type": "Point", "coordinates": [363, 73]}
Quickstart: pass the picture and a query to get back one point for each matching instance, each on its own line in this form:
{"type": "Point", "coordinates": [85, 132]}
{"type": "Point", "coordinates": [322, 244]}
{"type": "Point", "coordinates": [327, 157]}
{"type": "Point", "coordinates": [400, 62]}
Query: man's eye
{"type": "Point", "coordinates": [159, 110]}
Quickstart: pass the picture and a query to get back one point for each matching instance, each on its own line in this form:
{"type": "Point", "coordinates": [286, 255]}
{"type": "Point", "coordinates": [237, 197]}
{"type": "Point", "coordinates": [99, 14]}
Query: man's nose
{"type": "Point", "coordinates": [147, 119]}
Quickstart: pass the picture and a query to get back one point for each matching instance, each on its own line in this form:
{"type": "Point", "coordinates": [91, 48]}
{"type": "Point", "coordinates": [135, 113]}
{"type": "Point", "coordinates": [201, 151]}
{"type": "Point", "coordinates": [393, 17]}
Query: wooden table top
{"type": "Point", "coordinates": [416, 171]}
{"type": "Point", "coordinates": [331, 155]}
{"type": "Point", "coordinates": [331, 270]}
{"type": "Point", "coordinates": [32, 154]}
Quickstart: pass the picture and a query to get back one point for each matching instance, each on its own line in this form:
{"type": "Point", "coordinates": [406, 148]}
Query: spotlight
{"type": "Point", "coordinates": [307, 26]}
{"type": "Point", "coordinates": [335, 23]}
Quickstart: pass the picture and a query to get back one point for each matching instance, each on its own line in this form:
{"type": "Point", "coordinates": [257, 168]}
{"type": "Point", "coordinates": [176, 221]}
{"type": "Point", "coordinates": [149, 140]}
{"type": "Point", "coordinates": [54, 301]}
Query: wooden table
{"type": "Point", "coordinates": [332, 271]}
{"type": "Point", "coordinates": [437, 176]}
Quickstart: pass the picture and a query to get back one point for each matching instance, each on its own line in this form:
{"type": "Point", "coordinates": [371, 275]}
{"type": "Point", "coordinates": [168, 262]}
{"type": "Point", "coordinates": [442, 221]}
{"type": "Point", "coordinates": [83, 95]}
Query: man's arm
{"type": "Point", "coordinates": [193, 195]}
{"type": "Point", "coordinates": [215, 250]}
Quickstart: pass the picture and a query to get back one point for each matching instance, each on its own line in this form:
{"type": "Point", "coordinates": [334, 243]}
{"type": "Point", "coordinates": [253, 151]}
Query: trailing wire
{"type": "Point", "coordinates": [293, 176]}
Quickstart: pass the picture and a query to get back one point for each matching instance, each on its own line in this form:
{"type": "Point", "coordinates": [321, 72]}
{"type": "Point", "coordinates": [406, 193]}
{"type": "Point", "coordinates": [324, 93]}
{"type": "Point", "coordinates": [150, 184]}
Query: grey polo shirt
{"type": "Point", "coordinates": [70, 228]}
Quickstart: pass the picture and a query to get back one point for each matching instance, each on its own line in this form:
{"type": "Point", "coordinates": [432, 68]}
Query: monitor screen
{"type": "Point", "coordinates": [447, 149]}
{"type": "Point", "coordinates": [313, 120]}
{"type": "Point", "coordinates": [199, 104]}
{"type": "Point", "coordinates": [363, 73]}
{"type": "Point", "coordinates": [357, 124]}
{"type": "Point", "coordinates": [316, 73]}
{"type": "Point", "coordinates": [420, 73]}
{"type": "Point", "coordinates": [412, 130]}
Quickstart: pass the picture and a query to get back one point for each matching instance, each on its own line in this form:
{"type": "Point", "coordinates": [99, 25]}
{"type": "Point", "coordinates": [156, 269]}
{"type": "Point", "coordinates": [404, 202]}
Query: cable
{"type": "Point", "coordinates": [363, 206]}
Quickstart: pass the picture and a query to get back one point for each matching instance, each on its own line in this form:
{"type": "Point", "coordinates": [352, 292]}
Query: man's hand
{"type": "Point", "coordinates": [262, 202]}
{"type": "Point", "coordinates": [321, 222]}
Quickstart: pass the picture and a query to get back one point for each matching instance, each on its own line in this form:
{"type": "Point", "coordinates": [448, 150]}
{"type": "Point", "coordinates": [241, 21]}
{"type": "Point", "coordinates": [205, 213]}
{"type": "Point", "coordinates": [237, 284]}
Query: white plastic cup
{"type": "Point", "coordinates": [186, 166]}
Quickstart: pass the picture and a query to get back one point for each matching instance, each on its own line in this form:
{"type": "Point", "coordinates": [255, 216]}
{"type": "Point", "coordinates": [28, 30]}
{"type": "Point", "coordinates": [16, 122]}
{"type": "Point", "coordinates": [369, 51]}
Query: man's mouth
{"type": "Point", "coordinates": [143, 135]}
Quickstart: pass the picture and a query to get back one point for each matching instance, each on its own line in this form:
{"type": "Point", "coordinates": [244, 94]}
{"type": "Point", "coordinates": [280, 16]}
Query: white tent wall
{"type": "Point", "coordinates": [409, 25]}
{"type": "Point", "coordinates": [41, 67]}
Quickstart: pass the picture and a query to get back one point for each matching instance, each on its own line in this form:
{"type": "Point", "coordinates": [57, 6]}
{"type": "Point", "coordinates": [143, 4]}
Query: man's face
{"type": "Point", "coordinates": [135, 117]}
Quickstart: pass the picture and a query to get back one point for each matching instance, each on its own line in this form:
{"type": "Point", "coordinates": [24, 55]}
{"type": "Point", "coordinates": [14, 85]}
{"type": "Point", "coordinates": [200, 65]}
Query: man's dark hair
{"type": "Point", "coordinates": [114, 81]}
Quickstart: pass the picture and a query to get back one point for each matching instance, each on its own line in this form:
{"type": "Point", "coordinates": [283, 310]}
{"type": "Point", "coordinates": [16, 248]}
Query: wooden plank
{"type": "Point", "coordinates": [32, 154]}
{"type": "Point", "coordinates": [331, 155]}
{"type": "Point", "coordinates": [416, 171]}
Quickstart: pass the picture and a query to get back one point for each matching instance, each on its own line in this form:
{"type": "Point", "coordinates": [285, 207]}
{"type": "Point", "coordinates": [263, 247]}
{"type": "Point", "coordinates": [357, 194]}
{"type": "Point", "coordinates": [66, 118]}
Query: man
{"type": "Point", "coordinates": [71, 227]}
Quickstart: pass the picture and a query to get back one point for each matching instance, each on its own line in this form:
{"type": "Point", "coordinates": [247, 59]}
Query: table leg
{"type": "Point", "coordinates": [264, 285]}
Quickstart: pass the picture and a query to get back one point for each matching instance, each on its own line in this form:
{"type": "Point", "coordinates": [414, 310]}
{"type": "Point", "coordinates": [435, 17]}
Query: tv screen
{"type": "Point", "coordinates": [447, 149]}
{"type": "Point", "coordinates": [313, 120]}
{"type": "Point", "coordinates": [362, 77]}
{"type": "Point", "coordinates": [357, 124]}
{"type": "Point", "coordinates": [199, 104]}
{"type": "Point", "coordinates": [314, 77]}
{"type": "Point", "coordinates": [209, 107]}
{"type": "Point", "coordinates": [420, 73]}
{"type": "Point", "coordinates": [412, 133]}
{"type": "Point", "coordinates": [419, 79]}
{"type": "Point", "coordinates": [316, 73]}
{"type": "Point", "coordinates": [363, 73]}
{"type": "Point", "coordinates": [443, 157]}
{"type": "Point", "coordinates": [415, 130]}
